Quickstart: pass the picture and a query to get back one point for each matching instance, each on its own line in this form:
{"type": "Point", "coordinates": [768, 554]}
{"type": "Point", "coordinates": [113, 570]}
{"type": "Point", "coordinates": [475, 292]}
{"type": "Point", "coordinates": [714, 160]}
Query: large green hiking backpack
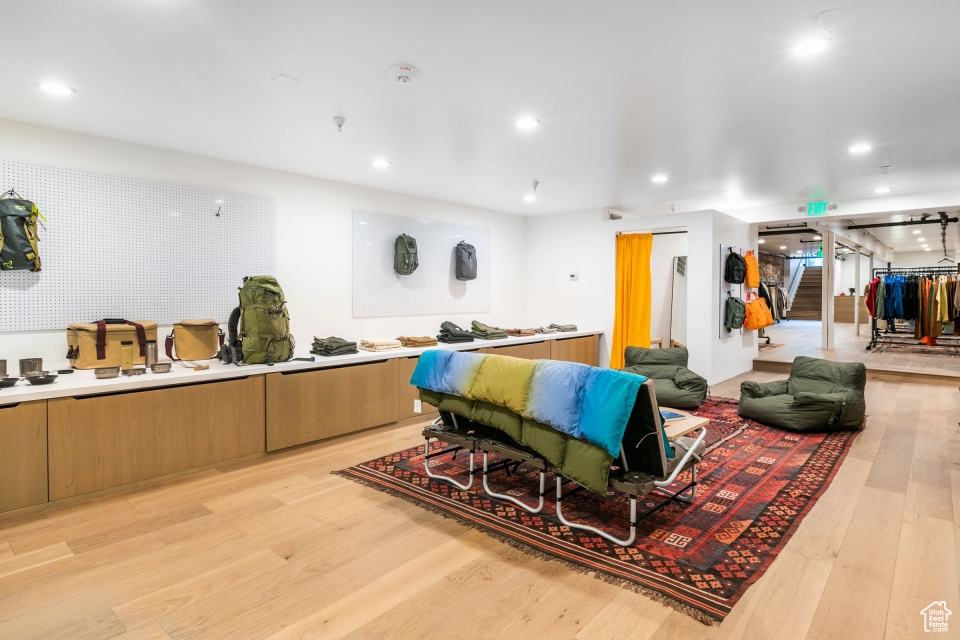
{"type": "Point", "coordinates": [264, 321]}
{"type": "Point", "coordinates": [18, 233]}
{"type": "Point", "coordinates": [405, 259]}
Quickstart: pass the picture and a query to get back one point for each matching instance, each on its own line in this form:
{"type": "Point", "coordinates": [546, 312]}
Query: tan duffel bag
{"type": "Point", "coordinates": [97, 344]}
{"type": "Point", "coordinates": [194, 340]}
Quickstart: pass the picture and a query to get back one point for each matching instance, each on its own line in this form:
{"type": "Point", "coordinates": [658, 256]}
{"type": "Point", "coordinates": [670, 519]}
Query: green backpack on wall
{"type": "Point", "coordinates": [405, 259]}
{"type": "Point", "coordinates": [18, 233]}
{"type": "Point", "coordinates": [264, 321]}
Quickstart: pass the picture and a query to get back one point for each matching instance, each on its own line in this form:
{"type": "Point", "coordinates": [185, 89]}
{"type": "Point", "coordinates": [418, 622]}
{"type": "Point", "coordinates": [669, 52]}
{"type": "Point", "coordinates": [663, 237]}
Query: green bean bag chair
{"type": "Point", "coordinates": [675, 385]}
{"type": "Point", "coordinates": [820, 395]}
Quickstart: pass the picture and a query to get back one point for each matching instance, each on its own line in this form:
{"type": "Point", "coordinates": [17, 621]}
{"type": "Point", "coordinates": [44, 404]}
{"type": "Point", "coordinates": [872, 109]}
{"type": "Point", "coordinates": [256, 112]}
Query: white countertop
{"type": "Point", "coordinates": [83, 382]}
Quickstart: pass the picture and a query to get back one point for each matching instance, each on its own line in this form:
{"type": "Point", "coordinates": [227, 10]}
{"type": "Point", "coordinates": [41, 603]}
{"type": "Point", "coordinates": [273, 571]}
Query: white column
{"type": "Point", "coordinates": [826, 292]}
{"type": "Point", "coordinates": [856, 290]}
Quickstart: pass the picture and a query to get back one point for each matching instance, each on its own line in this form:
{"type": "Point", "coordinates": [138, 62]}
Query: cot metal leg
{"type": "Point", "coordinates": [623, 543]}
{"type": "Point", "coordinates": [437, 476]}
{"type": "Point", "coordinates": [501, 496]}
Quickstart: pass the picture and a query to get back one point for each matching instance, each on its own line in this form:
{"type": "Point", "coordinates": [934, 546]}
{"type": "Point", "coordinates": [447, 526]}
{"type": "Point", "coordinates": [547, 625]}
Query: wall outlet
{"type": "Point", "coordinates": [417, 406]}
{"type": "Point", "coordinates": [574, 277]}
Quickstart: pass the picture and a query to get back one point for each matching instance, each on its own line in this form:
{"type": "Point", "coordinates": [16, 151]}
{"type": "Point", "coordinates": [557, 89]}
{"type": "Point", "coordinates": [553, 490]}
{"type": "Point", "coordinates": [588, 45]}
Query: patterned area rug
{"type": "Point", "coordinates": [773, 345]}
{"type": "Point", "coordinates": [756, 484]}
{"type": "Point", "coordinates": [943, 348]}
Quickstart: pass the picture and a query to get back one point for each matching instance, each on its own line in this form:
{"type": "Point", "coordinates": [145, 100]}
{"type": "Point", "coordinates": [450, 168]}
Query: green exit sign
{"type": "Point", "coordinates": [817, 208]}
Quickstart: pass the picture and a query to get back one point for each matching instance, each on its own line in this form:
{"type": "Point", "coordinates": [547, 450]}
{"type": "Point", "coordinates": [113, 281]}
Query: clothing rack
{"type": "Point", "coordinates": [908, 271]}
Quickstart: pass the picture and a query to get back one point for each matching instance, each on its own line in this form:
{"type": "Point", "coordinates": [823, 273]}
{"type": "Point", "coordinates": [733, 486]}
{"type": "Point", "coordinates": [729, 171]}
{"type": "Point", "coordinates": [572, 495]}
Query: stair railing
{"type": "Point", "coordinates": [795, 282]}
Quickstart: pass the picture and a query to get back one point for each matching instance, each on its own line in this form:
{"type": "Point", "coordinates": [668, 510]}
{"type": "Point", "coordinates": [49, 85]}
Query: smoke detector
{"type": "Point", "coordinates": [403, 73]}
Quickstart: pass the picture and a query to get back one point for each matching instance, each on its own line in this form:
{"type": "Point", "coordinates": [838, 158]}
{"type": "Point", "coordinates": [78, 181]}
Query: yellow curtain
{"type": "Point", "coordinates": [631, 324]}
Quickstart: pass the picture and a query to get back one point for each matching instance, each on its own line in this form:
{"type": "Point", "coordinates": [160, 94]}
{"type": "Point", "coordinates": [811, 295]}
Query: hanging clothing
{"type": "Point", "coordinates": [872, 296]}
{"type": "Point", "coordinates": [631, 320]}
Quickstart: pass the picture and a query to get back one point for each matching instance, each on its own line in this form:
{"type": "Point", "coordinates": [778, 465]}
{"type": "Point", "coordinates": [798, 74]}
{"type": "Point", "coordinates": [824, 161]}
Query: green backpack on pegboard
{"type": "Point", "coordinates": [264, 322]}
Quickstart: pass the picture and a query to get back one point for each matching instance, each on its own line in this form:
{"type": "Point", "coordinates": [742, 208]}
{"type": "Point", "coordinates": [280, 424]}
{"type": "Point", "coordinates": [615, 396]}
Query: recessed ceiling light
{"type": "Point", "coordinates": [882, 190]}
{"type": "Point", "coordinates": [761, 241]}
{"type": "Point", "coordinates": [530, 198]}
{"type": "Point", "coordinates": [810, 47]}
{"type": "Point", "coordinates": [921, 240]}
{"type": "Point", "coordinates": [925, 246]}
{"type": "Point", "coordinates": [56, 89]}
{"type": "Point", "coordinates": [927, 249]}
{"type": "Point", "coordinates": [734, 194]}
{"type": "Point", "coordinates": [381, 163]}
{"type": "Point", "coordinates": [818, 237]}
{"type": "Point", "coordinates": [527, 123]}
{"type": "Point", "coordinates": [659, 178]}
{"type": "Point", "coordinates": [916, 232]}
{"type": "Point", "coordinates": [782, 247]}
{"type": "Point", "coordinates": [860, 147]}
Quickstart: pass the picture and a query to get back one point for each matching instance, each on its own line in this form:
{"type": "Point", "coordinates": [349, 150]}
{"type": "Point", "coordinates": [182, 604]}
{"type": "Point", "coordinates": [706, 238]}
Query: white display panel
{"type": "Point", "coordinates": [432, 289]}
{"type": "Point", "coordinates": [119, 247]}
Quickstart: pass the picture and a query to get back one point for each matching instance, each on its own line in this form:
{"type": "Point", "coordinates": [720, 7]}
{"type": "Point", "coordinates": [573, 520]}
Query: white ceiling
{"type": "Point", "coordinates": [707, 92]}
{"type": "Point", "coordinates": [900, 239]}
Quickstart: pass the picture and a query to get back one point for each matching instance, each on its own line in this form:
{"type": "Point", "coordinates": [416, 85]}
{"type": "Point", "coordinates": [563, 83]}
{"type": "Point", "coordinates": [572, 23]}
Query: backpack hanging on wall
{"type": "Point", "coordinates": [19, 248]}
{"type": "Point", "coordinates": [465, 256]}
{"type": "Point", "coordinates": [753, 270]}
{"type": "Point", "coordinates": [264, 322]}
{"type": "Point", "coordinates": [758, 314]}
{"type": "Point", "coordinates": [734, 313]}
{"type": "Point", "coordinates": [405, 259]}
{"type": "Point", "coordinates": [735, 268]}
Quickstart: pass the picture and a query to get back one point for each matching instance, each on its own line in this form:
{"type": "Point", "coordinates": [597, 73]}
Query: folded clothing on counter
{"type": "Point", "coordinates": [379, 345]}
{"type": "Point", "coordinates": [564, 327]}
{"type": "Point", "coordinates": [549, 329]}
{"type": "Point", "coordinates": [333, 346]}
{"type": "Point", "coordinates": [486, 332]}
{"type": "Point", "coordinates": [521, 332]}
{"type": "Point", "coordinates": [451, 333]}
{"type": "Point", "coordinates": [417, 341]}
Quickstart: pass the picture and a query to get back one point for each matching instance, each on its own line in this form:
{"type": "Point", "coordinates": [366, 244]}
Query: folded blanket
{"type": "Point", "coordinates": [417, 341]}
{"type": "Point", "coordinates": [451, 333]}
{"type": "Point", "coordinates": [379, 345]}
{"type": "Point", "coordinates": [333, 346]}
{"type": "Point", "coordinates": [585, 402]}
{"type": "Point", "coordinates": [564, 327]}
{"type": "Point", "coordinates": [520, 332]}
{"type": "Point", "coordinates": [486, 332]}
{"type": "Point", "coordinates": [544, 330]}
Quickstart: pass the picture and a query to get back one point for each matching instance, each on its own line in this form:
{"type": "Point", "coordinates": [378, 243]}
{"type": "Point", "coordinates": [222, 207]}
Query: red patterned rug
{"type": "Point", "coordinates": [756, 485]}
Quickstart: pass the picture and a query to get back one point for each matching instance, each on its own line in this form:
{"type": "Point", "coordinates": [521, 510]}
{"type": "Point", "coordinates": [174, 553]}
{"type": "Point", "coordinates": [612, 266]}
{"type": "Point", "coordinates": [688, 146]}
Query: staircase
{"type": "Point", "coordinates": [807, 304]}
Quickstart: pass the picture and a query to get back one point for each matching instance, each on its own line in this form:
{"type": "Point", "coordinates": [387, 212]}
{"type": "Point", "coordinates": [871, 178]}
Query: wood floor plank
{"type": "Point", "coordinates": [150, 607]}
{"type": "Point", "coordinates": [33, 559]}
{"type": "Point", "coordinates": [381, 594]}
{"type": "Point", "coordinates": [855, 599]}
{"type": "Point", "coordinates": [6, 551]}
{"type": "Point", "coordinates": [150, 631]}
{"type": "Point", "coordinates": [628, 615]}
{"type": "Point", "coordinates": [925, 572]}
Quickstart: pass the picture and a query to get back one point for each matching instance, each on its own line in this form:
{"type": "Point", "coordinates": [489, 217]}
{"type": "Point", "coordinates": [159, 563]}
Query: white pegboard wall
{"type": "Point", "coordinates": [119, 247]}
{"type": "Point", "coordinates": [378, 291]}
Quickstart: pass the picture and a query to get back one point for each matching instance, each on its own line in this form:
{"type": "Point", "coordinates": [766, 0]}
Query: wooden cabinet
{"type": "Point", "coordinates": [99, 442]}
{"type": "Point", "coordinates": [844, 306]}
{"type": "Point", "coordinates": [406, 392]}
{"type": "Point", "coordinates": [532, 350]}
{"type": "Point", "coordinates": [585, 350]}
{"type": "Point", "coordinates": [314, 405]}
{"type": "Point", "coordinates": [23, 455]}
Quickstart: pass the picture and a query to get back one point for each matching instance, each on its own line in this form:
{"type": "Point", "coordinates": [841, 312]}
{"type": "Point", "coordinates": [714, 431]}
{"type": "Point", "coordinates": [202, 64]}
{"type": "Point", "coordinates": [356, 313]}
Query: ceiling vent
{"type": "Point", "coordinates": [616, 214]}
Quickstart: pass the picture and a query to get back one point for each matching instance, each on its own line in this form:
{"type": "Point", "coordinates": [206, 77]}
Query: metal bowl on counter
{"type": "Point", "coordinates": [103, 373]}
{"type": "Point", "coordinates": [136, 371]}
{"type": "Point", "coordinates": [161, 367]}
{"type": "Point", "coordinates": [47, 378]}
{"type": "Point", "coordinates": [8, 382]}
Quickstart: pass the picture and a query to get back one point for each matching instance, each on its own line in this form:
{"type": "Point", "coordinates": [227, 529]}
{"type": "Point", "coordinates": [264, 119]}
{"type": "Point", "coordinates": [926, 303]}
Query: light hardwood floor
{"type": "Point", "coordinates": [803, 338]}
{"type": "Point", "coordinates": [278, 548]}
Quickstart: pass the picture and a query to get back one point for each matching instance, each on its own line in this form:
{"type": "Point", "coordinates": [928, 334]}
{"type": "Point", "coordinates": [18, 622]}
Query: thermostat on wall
{"type": "Point", "coordinates": [574, 277]}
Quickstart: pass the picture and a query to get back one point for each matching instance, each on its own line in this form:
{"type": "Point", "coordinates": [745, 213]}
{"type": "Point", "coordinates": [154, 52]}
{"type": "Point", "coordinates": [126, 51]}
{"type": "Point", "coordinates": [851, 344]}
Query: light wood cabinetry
{"type": "Point", "coordinates": [23, 455]}
{"type": "Point", "coordinates": [406, 392]}
{"type": "Point", "coordinates": [843, 307]}
{"type": "Point", "coordinates": [99, 442]}
{"type": "Point", "coordinates": [313, 405]}
{"type": "Point", "coordinates": [532, 350]}
{"type": "Point", "coordinates": [585, 350]}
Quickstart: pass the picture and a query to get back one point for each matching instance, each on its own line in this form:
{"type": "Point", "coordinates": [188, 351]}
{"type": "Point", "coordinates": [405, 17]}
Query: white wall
{"type": "Point", "coordinates": [665, 249]}
{"type": "Point", "coordinates": [313, 254]}
{"type": "Point", "coordinates": [847, 273]}
{"type": "Point", "coordinates": [552, 297]}
{"type": "Point", "coordinates": [918, 259]}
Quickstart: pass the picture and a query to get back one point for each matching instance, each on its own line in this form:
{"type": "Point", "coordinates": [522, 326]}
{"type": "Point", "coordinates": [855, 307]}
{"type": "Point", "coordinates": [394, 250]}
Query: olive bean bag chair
{"type": "Point", "coordinates": [820, 395]}
{"type": "Point", "coordinates": [676, 386]}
